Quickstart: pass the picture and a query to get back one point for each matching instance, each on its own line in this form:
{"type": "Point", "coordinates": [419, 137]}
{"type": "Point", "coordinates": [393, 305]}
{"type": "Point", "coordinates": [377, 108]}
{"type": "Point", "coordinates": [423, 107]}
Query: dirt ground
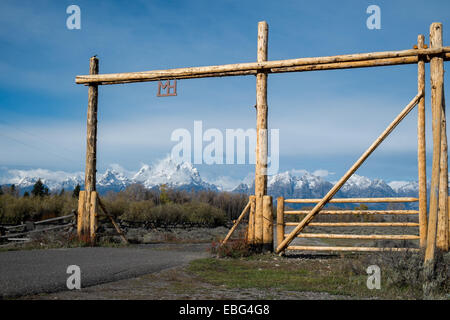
{"type": "Point", "coordinates": [173, 284]}
{"type": "Point", "coordinates": [181, 283]}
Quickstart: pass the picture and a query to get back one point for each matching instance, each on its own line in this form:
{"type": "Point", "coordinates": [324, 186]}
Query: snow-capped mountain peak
{"type": "Point", "coordinates": [183, 175]}
{"type": "Point", "coordinates": [167, 171]}
{"type": "Point", "coordinates": [358, 182]}
{"type": "Point", "coordinates": [405, 188]}
{"type": "Point", "coordinates": [284, 177]}
{"type": "Point", "coordinates": [143, 173]}
{"type": "Point", "coordinates": [112, 177]}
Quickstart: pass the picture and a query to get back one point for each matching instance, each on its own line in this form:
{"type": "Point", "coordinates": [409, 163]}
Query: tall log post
{"type": "Point", "coordinates": [280, 220]}
{"type": "Point", "coordinates": [442, 223]}
{"type": "Point", "coordinates": [251, 221]}
{"type": "Point", "coordinates": [437, 75]}
{"type": "Point", "coordinates": [91, 157]}
{"type": "Point", "coordinates": [267, 224]}
{"type": "Point", "coordinates": [421, 146]}
{"type": "Point", "coordinates": [261, 137]}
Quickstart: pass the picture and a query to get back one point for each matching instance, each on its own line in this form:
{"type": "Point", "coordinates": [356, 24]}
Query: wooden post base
{"type": "Point", "coordinates": [87, 220]}
{"type": "Point", "coordinates": [267, 245]}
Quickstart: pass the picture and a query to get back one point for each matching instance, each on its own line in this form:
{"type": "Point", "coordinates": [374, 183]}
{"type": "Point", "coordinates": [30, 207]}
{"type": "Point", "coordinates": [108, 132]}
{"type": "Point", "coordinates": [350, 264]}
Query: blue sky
{"type": "Point", "coordinates": [326, 119]}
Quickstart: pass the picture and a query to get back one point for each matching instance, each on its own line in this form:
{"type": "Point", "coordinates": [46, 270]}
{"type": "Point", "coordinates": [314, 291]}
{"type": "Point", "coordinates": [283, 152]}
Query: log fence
{"type": "Point", "coordinates": [30, 227]}
{"type": "Point", "coordinates": [281, 224]}
{"type": "Point", "coordinates": [433, 225]}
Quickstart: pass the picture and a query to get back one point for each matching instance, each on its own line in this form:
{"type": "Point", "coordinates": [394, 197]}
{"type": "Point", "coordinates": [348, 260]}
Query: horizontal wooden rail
{"type": "Point", "coordinates": [40, 222]}
{"type": "Point", "coordinates": [55, 219]}
{"type": "Point", "coordinates": [354, 200]}
{"type": "Point", "coordinates": [278, 66]}
{"type": "Point", "coordinates": [357, 212]}
{"type": "Point", "coordinates": [39, 230]}
{"type": "Point", "coordinates": [363, 249]}
{"type": "Point", "coordinates": [15, 227]}
{"type": "Point", "coordinates": [358, 236]}
{"type": "Point", "coordinates": [356, 224]}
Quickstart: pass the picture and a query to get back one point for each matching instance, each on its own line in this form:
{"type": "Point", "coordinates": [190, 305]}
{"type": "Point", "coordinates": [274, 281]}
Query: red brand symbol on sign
{"type": "Point", "coordinates": [167, 88]}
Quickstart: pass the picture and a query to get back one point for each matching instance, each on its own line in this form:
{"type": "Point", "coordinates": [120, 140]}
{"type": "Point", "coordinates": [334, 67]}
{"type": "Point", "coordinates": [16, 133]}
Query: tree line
{"type": "Point", "coordinates": [135, 203]}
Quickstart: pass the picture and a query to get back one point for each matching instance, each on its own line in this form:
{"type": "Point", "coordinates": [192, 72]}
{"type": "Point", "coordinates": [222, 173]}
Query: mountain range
{"type": "Point", "coordinates": [184, 176]}
{"type": "Point", "coordinates": [310, 186]}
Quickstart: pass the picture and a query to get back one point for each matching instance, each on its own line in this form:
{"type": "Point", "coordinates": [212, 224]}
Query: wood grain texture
{"type": "Point", "coordinates": [91, 137]}
{"type": "Point", "coordinates": [358, 60]}
{"type": "Point", "coordinates": [267, 224]}
{"type": "Point", "coordinates": [442, 241]}
{"type": "Point", "coordinates": [93, 217]}
{"type": "Point", "coordinates": [80, 212]}
{"type": "Point", "coordinates": [261, 137]}
{"type": "Point", "coordinates": [421, 145]}
{"type": "Point", "coordinates": [436, 75]}
{"type": "Point", "coordinates": [280, 220]}
{"type": "Point", "coordinates": [251, 221]}
{"type": "Point", "coordinates": [91, 153]}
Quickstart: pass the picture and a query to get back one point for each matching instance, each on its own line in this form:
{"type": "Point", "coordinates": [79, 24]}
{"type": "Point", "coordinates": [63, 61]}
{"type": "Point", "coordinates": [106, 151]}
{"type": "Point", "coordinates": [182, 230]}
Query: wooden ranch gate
{"type": "Point", "coordinates": [433, 231]}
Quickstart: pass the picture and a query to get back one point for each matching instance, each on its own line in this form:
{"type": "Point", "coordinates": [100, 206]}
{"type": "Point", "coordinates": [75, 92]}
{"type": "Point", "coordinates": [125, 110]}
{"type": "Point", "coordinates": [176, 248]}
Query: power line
{"type": "Point", "coordinates": [33, 135]}
{"type": "Point", "coordinates": [37, 148]}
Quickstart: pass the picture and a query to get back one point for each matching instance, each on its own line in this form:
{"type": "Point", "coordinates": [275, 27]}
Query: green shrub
{"type": "Point", "coordinates": [14, 210]}
{"type": "Point", "coordinates": [205, 214]}
{"type": "Point", "coordinates": [193, 213]}
{"type": "Point", "coordinates": [138, 211]}
{"type": "Point", "coordinates": [116, 206]}
{"type": "Point", "coordinates": [168, 214]}
{"type": "Point", "coordinates": [135, 204]}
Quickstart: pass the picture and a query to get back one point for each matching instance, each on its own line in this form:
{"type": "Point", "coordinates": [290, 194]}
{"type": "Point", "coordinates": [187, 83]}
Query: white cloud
{"type": "Point", "coordinates": [298, 172]}
{"type": "Point", "coordinates": [118, 168]}
{"type": "Point", "coordinates": [225, 182]}
{"type": "Point", "coordinates": [15, 175]}
{"type": "Point", "coordinates": [322, 173]}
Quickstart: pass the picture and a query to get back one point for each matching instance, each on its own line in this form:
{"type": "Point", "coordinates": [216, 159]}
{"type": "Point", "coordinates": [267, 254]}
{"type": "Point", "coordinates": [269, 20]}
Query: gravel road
{"type": "Point", "coordinates": [40, 271]}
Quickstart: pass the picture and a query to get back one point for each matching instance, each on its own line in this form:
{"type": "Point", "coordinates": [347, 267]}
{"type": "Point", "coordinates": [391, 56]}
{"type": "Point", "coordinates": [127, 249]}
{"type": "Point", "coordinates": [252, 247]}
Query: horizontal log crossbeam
{"type": "Point", "coordinates": [359, 60]}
